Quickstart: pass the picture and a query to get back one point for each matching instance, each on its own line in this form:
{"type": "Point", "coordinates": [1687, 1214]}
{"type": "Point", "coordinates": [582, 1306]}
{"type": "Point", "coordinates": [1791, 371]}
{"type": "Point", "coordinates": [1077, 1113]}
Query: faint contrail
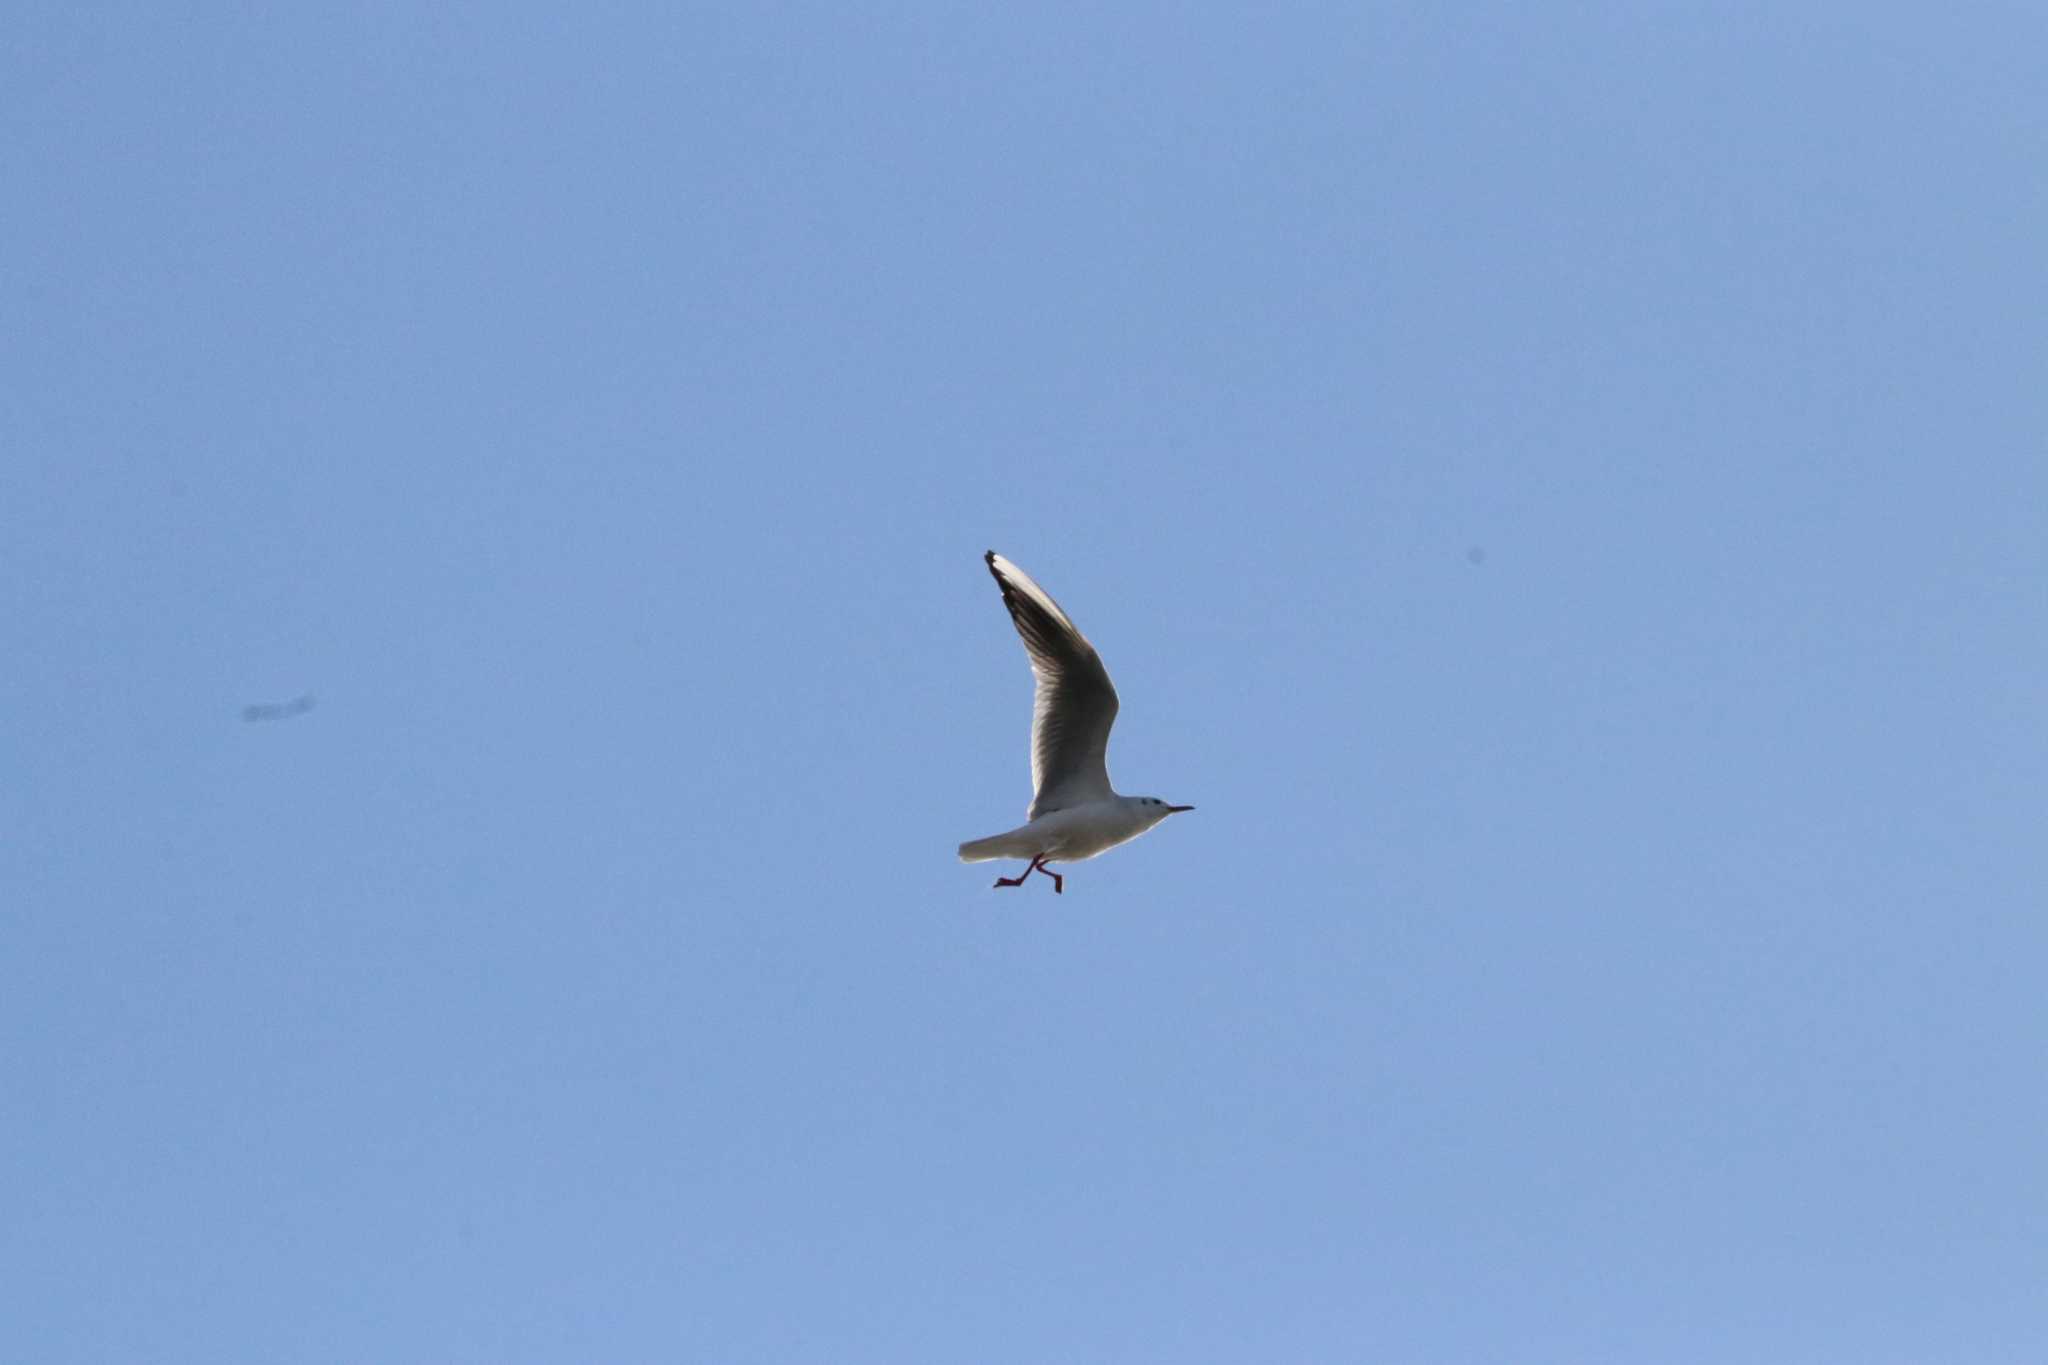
{"type": "Point", "coordinates": [297, 706]}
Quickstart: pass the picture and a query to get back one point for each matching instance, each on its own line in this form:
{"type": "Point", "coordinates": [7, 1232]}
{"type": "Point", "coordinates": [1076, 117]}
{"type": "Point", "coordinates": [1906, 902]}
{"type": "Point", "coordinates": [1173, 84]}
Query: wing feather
{"type": "Point", "coordinates": [1075, 703]}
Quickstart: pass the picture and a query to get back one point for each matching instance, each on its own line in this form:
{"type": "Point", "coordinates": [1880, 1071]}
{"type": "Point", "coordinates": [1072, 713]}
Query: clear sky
{"type": "Point", "coordinates": [1562, 488]}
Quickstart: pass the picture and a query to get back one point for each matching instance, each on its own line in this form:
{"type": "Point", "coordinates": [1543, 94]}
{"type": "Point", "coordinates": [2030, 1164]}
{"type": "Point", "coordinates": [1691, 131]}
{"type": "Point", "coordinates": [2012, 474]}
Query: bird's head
{"type": "Point", "coordinates": [1156, 809]}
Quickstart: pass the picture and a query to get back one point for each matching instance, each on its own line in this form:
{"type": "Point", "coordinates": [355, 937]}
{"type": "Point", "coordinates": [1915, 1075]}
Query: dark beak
{"type": "Point", "coordinates": [1175, 810]}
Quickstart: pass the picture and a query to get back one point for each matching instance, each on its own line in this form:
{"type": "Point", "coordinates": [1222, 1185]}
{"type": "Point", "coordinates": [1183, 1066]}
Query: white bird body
{"type": "Point", "coordinates": [1075, 813]}
{"type": "Point", "coordinates": [1072, 833]}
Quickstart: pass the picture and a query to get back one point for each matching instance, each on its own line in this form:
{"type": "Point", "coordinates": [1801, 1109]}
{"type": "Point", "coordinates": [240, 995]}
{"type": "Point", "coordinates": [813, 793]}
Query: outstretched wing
{"type": "Point", "coordinates": [1075, 705]}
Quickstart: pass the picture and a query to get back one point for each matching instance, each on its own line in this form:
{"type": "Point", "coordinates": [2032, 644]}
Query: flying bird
{"type": "Point", "coordinates": [1074, 813]}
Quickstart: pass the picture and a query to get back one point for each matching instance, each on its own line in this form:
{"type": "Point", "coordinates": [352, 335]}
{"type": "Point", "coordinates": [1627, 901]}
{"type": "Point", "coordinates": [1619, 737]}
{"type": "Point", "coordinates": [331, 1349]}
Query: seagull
{"type": "Point", "coordinates": [1075, 813]}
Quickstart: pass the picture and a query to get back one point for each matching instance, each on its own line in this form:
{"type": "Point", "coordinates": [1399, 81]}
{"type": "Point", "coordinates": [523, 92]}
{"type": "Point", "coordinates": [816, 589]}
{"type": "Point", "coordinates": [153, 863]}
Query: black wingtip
{"type": "Point", "coordinates": [1008, 589]}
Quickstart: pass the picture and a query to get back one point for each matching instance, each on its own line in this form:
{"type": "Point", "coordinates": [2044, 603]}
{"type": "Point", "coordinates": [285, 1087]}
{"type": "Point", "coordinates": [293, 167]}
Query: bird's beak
{"type": "Point", "coordinates": [1175, 810]}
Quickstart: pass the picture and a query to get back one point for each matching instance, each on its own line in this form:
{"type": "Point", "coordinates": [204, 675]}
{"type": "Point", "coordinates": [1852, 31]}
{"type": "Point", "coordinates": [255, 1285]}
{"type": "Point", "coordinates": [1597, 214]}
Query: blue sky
{"type": "Point", "coordinates": [1561, 489]}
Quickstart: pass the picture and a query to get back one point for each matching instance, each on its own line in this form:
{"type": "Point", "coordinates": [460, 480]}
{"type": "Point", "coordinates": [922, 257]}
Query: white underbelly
{"type": "Point", "coordinates": [1081, 832]}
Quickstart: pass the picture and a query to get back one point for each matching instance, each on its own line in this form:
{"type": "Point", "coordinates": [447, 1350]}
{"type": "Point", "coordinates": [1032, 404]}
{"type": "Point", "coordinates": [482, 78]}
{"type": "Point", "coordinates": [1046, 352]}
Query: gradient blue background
{"type": "Point", "coordinates": [1562, 488]}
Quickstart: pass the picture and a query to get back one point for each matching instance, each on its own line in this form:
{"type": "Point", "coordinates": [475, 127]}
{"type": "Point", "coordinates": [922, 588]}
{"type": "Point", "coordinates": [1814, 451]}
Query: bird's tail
{"type": "Point", "coordinates": [1015, 844]}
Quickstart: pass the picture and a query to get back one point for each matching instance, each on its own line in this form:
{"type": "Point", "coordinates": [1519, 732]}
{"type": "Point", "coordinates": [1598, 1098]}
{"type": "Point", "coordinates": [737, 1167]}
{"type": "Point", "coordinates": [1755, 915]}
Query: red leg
{"type": "Point", "coordinates": [1018, 880]}
{"type": "Point", "coordinates": [1059, 883]}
